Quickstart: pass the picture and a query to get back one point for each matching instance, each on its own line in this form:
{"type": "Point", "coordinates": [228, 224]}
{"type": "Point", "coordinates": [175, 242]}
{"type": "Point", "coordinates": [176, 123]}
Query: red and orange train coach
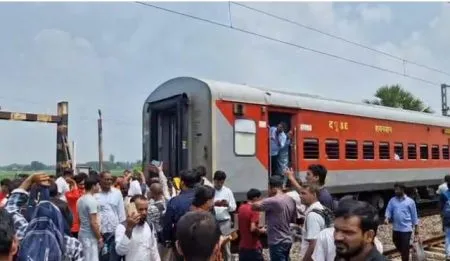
{"type": "Point", "coordinates": [189, 122]}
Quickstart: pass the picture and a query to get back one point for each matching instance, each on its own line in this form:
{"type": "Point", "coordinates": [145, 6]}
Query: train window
{"type": "Point", "coordinates": [383, 150]}
{"type": "Point", "coordinates": [310, 148]}
{"type": "Point", "coordinates": [368, 150]}
{"type": "Point", "coordinates": [423, 151]}
{"type": "Point", "coordinates": [244, 137]}
{"type": "Point", "coordinates": [332, 149]}
{"type": "Point", "coordinates": [435, 152]}
{"type": "Point", "coordinates": [412, 151]}
{"type": "Point", "coordinates": [445, 152]}
{"type": "Point", "coordinates": [398, 150]}
{"type": "Point", "coordinates": [351, 149]}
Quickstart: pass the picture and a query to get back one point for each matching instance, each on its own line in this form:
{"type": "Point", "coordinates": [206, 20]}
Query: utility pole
{"type": "Point", "coordinates": [100, 141]}
{"type": "Point", "coordinates": [445, 107]}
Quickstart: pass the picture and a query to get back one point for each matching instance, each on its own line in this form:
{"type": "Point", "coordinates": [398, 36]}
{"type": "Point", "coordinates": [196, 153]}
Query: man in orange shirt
{"type": "Point", "coordinates": [76, 186]}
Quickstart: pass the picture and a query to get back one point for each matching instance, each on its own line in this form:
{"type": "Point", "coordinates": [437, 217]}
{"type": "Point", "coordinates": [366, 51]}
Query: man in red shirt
{"type": "Point", "coordinates": [250, 248]}
{"type": "Point", "coordinates": [76, 191]}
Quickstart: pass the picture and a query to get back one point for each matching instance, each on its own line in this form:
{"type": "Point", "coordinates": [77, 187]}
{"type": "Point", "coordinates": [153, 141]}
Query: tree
{"type": "Point", "coordinates": [397, 97]}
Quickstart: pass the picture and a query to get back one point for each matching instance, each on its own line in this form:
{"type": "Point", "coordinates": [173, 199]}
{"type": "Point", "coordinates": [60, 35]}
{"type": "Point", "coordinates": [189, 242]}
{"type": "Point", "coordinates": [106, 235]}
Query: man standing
{"type": "Point", "coordinates": [177, 207]}
{"type": "Point", "coordinates": [136, 241]}
{"type": "Point", "coordinates": [250, 248]}
{"type": "Point", "coordinates": [277, 141]}
{"type": "Point", "coordinates": [315, 175]}
{"type": "Point", "coordinates": [402, 212]}
{"type": "Point", "coordinates": [280, 213]}
{"type": "Point", "coordinates": [355, 228]}
{"type": "Point", "coordinates": [224, 203]}
{"type": "Point", "coordinates": [314, 221]}
{"type": "Point", "coordinates": [89, 233]}
{"type": "Point", "coordinates": [63, 186]}
{"type": "Point", "coordinates": [112, 213]}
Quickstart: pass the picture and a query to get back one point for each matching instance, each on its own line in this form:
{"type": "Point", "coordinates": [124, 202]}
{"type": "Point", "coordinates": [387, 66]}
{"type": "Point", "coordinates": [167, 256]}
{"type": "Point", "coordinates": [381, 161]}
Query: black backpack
{"type": "Point", "coordinates": [326, 214]}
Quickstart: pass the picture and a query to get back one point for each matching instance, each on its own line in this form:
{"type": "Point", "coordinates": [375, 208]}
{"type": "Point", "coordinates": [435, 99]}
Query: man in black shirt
{"type": "Point", "coordinates": [355, 228]}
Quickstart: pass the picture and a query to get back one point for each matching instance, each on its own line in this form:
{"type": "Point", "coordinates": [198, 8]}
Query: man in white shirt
{"type": "Point", "coordinates": [63, 186]}
{"type": "Point", "coordinates": [443, 187]}
{"type": "Point", "coordinates": [325, 249]}
{"type": "Point", "coordinates": [136, 240]}
{"type": "Point", "coordinates": [112, 213]}
{"type": "Point", "coordinates": [314, 222]}
{"type": "Point", "coordinates": [224, 203]}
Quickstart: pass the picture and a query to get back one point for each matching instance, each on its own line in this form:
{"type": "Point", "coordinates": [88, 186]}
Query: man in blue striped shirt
{"type": "Point", "coordinates": [402, 213]}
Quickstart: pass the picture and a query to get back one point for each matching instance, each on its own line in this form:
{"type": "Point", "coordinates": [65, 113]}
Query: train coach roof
{"type": "Point", "coordinates": [256, 95]}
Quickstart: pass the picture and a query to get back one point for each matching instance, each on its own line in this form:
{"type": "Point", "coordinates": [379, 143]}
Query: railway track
{"type": "Point", "coordinates": [434, 250]}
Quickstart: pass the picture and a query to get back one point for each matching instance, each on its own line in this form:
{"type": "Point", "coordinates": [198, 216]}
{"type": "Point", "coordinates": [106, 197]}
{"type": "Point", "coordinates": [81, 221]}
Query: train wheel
{"type": "Point", "coordinates": [377, 201]}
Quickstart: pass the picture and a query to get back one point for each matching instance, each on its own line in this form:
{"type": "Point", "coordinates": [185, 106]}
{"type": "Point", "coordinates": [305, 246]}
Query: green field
{"type": "Point", "coordinates": [10, 174]}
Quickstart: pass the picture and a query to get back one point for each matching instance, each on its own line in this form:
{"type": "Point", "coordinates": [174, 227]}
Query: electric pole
{"type": "Point", "coordinates": [445, 107]}
{"type": "Point", "coordinates": [100, 141]}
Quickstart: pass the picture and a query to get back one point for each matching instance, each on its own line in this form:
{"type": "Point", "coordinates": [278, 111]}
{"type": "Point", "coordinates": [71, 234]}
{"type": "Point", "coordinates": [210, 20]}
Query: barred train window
{"type": "Point", "coordinates": [368, 150]}
{"type": "Point", "coordinates": [351, 149]}
{"type": "Point", "coordinates": [445, 152]}
{"type": "Point", "coordinates": [412, 151]}
{"type": "Point", "coordinates": [332, 148]}
{"type": "Point", "coordinates": [435, 152]}
{"type": "Point", "coordinates": [398, 150]}
{"type": "Point", "coordinates": [383, 150]}
{"type": "Point", "coordinates": [310, 148]}
{"type": "Point", "coordinates": [423, 151]}
{"type": "Point", "coordinates": [244, 137]}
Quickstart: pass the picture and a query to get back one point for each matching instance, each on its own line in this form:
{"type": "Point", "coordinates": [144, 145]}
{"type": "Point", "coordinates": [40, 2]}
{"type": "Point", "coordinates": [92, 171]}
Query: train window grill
{"type": "Point", "coordinates": [424, 151]}
{"type": "Point", "coordinates": [435, 152]}
{"type": "Point", "coordinates": [412, 151]}
{"type": "Point", "coordinates": [368, 150]}
{"type": "Point", "coordinates": [398, 150]}
{"type": "Point", "coordinates": [332, 148]}
{"type": "Point", "coordinates": [310, 148]}
{"type": "Point", "coordinates": [244, 137]}
{"type": "Point", "coordinates": [383, 150]}
{"type": "Point", "coordinates": [445, 152]}
{"type": "Point", "coordinates": [351, 149]}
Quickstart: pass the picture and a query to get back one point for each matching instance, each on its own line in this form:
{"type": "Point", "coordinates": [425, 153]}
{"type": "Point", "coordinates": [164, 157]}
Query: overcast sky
{"type": "Point", "coordinates": [111, 56]}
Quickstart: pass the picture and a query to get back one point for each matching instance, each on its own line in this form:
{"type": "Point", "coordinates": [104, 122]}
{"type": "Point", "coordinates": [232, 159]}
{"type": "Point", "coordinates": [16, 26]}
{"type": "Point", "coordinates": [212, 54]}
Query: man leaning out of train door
{"type": "Point", "coordinates": [402, 212]}
{"type": "Point", "coordinates": [277, 141]}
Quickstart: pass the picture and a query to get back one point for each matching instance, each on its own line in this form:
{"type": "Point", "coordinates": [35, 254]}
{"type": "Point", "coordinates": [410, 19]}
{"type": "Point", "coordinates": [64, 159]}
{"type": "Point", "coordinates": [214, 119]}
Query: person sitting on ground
{"type": "Point", "coordinates": [8, 240]}
{"type": "Point", "coordinates": [45, 213]}
{"type": "Point", "coordinates": [198, 236]}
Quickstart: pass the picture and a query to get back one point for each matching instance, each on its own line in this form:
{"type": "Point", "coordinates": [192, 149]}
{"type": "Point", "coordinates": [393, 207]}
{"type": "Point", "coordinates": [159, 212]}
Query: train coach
{"type": "Point", "coordinates": [189, 122]}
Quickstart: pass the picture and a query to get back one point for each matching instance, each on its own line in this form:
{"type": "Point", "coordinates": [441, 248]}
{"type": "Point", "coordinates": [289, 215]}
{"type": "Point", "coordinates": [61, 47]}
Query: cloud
{"type": "Point", "coordinates": [111, 56]}
{"type": "Point", "coordinates": [375, 14]}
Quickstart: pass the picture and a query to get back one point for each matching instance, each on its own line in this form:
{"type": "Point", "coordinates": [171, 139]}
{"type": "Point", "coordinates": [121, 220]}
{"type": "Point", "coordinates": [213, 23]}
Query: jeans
{"type": "Point", "coordinates": [90, 248]}
{"type": "Point", "coordinates": [110, 243]}
{"type": "Point", "coordinates": [225, 226]}
{"type": "Point", "coordinates": [447, 242]}
{"type": "Point", "coordinates": [250, 255]}
{"type": "Point", "coordinates": [280, 251]}
{"type": "Point", "coordinates": [402, 243]}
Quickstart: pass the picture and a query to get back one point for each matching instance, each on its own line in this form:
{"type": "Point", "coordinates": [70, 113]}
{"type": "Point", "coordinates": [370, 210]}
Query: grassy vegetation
{"type": "Point", "coordinates": [10, 174]}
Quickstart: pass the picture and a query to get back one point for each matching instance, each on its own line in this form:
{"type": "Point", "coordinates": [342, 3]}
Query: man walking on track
{"type": "Point", "coordinates": [402, 212]}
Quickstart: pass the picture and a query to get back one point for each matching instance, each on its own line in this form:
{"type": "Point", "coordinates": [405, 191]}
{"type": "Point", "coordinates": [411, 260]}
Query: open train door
{"type": "Point", "coordinates": [169, 133]}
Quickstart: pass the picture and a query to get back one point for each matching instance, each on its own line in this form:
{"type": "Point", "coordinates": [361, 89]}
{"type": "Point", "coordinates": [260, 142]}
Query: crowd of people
{"type": "Point", "coordinates": [150, 217]}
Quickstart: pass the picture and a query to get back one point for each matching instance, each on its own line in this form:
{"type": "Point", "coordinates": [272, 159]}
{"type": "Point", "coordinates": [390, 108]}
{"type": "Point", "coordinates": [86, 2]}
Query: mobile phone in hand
{"type": "Point", "coordinates": [156, 163]}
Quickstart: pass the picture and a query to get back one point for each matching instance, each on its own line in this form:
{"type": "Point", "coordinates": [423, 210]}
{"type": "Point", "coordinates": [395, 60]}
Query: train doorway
{"type": "Point", "coordinates": [276, 117]}
{"type": "Point", "coordinates": [169, 132]}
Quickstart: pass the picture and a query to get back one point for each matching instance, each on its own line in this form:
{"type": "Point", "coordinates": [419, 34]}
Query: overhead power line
{"type": "Point", "coordinates": [289, 43]}
{"type": "Point", "coordinates": [341, 38]}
